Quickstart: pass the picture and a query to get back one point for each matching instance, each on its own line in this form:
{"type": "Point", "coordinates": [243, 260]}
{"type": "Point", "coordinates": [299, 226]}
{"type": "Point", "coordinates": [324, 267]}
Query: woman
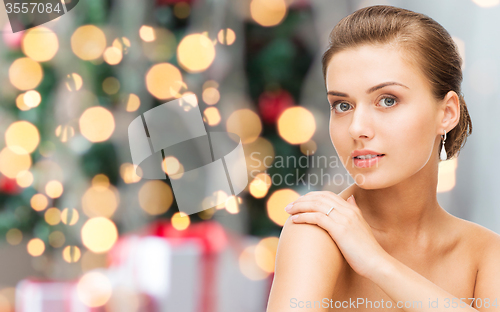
{"type": "Point", "coordinates": [393, 79]}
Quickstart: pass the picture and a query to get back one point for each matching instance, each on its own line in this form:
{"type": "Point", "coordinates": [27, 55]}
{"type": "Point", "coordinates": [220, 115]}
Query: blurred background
{"type": "Point", "coordinates": [80, 230]}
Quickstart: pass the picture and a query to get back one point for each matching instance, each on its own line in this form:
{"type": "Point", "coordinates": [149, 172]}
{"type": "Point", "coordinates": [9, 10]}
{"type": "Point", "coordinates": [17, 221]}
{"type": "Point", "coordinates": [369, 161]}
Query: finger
{"type": "Point", "coordinates": [336, 216]}
{"type": "Point", "coordinates": [342, 205]}
{"type": "Point", "coordinates": [317, 218]}
{"type": "Point", "coordinates": [312, 205]}
{"type": "Point", "coordinates": [320, 201]}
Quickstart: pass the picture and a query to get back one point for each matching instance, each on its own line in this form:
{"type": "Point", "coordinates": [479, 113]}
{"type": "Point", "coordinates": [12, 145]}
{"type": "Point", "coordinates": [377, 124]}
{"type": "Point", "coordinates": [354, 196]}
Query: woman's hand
{"type": "Point", "coordinates": [345, 224]}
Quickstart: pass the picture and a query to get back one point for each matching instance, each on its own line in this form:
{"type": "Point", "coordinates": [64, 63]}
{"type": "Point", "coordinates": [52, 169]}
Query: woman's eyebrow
{"type": "Point", "coordinates": [372, 89]}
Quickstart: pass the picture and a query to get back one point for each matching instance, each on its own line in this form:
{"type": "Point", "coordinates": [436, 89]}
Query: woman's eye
{"type": "Point", "coordinates": [343, 106]}
{"type": "Point", "coordinates": [391, 101]}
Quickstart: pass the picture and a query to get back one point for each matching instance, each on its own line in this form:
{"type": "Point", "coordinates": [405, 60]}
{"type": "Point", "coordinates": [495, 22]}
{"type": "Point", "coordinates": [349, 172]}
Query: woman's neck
{"type": "Point", "coordinates": [408, 211]}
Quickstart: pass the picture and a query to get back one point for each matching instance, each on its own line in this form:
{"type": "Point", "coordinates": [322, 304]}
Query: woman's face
{"type": "Point", "coordinates": [399, 121]}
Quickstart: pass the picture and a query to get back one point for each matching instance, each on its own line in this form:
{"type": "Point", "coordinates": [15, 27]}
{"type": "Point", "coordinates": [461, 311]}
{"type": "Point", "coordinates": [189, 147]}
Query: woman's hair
{"type": "Point", "coordinates": [424, 43]}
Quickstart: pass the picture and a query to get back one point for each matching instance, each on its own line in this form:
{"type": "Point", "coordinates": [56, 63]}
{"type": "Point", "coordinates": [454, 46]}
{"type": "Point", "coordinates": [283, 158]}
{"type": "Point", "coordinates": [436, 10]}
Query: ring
{"type": "Point", "coordinates": [329, 211]}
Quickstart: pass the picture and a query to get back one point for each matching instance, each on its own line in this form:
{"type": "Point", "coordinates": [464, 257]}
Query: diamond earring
{"type": "Point", "coordinates": [443, 155]}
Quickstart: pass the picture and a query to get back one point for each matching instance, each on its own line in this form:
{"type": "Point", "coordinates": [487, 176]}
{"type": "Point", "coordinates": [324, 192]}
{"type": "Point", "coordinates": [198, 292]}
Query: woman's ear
{"type": "Point", "coordinates": [451, 111]}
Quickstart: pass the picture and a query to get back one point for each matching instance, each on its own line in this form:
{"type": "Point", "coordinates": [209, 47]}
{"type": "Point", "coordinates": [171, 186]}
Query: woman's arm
{"type": "Point", "coordinates": [308, 263]}
{"type": "Point", "coordinates": [487, 290]}
{"type": "Point", "coordinates": [354, 237]}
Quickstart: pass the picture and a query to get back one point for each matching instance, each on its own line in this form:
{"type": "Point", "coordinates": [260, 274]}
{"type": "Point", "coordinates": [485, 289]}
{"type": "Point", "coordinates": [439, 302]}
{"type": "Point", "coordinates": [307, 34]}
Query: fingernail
{"type": "Point", "coordinates": [288, 207]}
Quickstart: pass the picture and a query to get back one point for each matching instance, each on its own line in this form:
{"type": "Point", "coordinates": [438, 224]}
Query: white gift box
{"type": "Point", "coordinates": [182, 276]}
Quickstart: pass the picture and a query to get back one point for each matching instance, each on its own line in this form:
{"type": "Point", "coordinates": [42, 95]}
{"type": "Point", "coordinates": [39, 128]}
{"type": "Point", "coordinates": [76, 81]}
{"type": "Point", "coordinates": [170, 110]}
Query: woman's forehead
{"type": "Point", "coordinates": [367, 66]}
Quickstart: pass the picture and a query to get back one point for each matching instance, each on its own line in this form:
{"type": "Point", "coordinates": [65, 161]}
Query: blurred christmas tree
{"type": "Point", "coordinates": [101, 75]}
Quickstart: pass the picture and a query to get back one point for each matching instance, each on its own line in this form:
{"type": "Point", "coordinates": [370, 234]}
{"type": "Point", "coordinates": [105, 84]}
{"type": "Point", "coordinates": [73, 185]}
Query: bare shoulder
{"type": "Point", "coordinates": [477, 237]}
{"type": "Point", "coordinates": [308, 263]}
{"type": "Point", "coordinates": [484, 245]}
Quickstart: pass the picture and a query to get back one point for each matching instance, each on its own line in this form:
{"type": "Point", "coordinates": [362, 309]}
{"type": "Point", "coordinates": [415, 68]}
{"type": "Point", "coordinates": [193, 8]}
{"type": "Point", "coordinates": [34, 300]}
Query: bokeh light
{"type": "Point", "coordinates": [308, 148]}
{"type": "Point", "coordinates": [211, 95]}
{"type": "Point", "coordinates": [195, 52]}
{"type": "Point", "coordinates": [100, 200]}
{"type": "Point", "coordinates": [180, 221]}
{"type": "Point", "coordinates": [231, 204]}
{"type": "Point", "coordinates": [74, 82]}
{"type": "Point", "coordinates": [268, 12]}
{"type": "Point", "coordinates": [486, 3]}
{"type": "Point", "coordinates": [35, 247]}
{"type": "Point", "coordinates": [69, 216]}
{"type": "Point", "coordinates": [112, 55]}
{"type": "Point", "coordinates": [170, 165]}
{"type": "Point", "coordinates": [147, 33]}
{"type": "Point", "coordinates": [52, 216]}
{"type": "Point", "coordinates": [226, 36]}
{"type": "Point", "coordinates": [212, 116]}
{"type": "Point", "coordinates": [216, 197]}
{"type": "Point", "coordinates": [32, 98]}
{"type": "Point", "coordinates": [133, 103]}
{"type": "Point", "coordinates": [111, 85]}
{"type": "Point", "coordinates": [20, 102]}
{"type": "Point", "coordinates": [122, 43]}
{"type": "Point", "coordinates": [54, 189]}
{"type": "Point", "coordinates": [88, 42]}
{"type": "Point", "coordinates": [64, 133]}
{"type": "Point", "coordinates": [164, 81]}
{"type": "Point", "coordinates": [40, 44]}
{"type": "Point", "coordinates": [94, 289]}
{"type": "Point", "coordinates": [14, 237]}
{"type": "Point", "coordinates": [260, 185]}
{"type": "Point", "coordinates": [39, 202]}
{"type": "Point", "coordinates": [276, 205]}
{"type": "Point", "coordinates": [71, 254]}
{"type": "Point", "coordinates": [265, 253]}
{"type": "Point", "coordinates": [11, 164]}
{"type": "Point", "coordinates": [259, 155]}
{"type": "Point", "coordinates": [248, 264]}
{"type": "Point", "coordinates": [25, 74]}
{"type": "Point", "coordinates": [22, 137]}
{"type": "Point", "coordinates": [246, 124]}
{"type": "Point", "coordinates": [155, 197]}
{"type": "Point", "coordinates": [97, 124]}
{"type": "Point", "coordinates": [128, 173]}
{"type": "Point", "coordinates": [99, 234]}
{"type": "Point", "coordinates": [24, 178]}
{"type": "Point", "coordinates": [296, 125]}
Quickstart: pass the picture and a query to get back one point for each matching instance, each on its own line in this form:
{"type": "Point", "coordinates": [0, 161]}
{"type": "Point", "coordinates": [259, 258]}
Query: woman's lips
{"type": "Point", "coordinates": [365, 163]}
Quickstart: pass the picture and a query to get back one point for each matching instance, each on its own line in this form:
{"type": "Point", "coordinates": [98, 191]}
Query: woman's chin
{"type": "Point", "coordinates": [369, 181]}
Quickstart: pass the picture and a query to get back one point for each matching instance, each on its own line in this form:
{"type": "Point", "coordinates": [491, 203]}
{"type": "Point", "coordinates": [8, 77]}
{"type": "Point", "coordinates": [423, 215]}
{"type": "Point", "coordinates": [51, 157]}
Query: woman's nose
{"type": "Point", "coordinates": [361, 123]}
